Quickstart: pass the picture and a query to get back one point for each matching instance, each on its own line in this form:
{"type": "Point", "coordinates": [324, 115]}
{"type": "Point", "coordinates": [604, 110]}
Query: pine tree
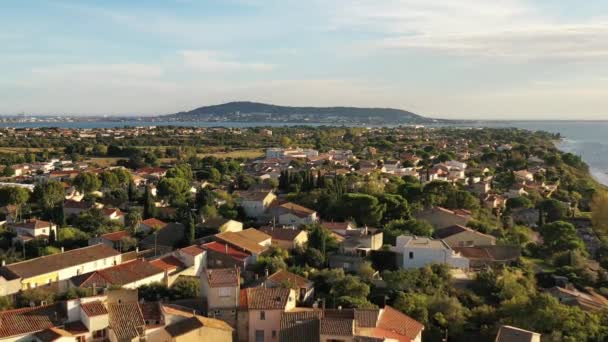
{"type": "Point", "coordinates": [149, 206]}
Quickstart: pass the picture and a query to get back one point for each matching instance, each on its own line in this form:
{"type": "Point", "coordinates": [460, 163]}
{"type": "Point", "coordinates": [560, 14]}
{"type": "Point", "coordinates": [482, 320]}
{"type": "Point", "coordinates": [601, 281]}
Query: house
{"type": "Point", "coordinates": [130, 275]}
{"type": "Point", "coordinates": [249, 240]}
{"type": "Point", "coordinates": [195, 328]}
{"type": "Point", "coordinates": [114, 214]}
{"type": "Point", "coordinates": [485, 256]}
{"type": "Point", "coordinates": [361, 241]}
{"type": "Point", "coordinates": [286, 238]}
{"type": "Point", "coordinates": [417, 252]}
{"type": "Point", "coordinates": [494, 202]}
{"type": "Point", "coordinates": [255, 203]}
{"type": "Point", "coordinates": [222, 255]}
{"type": "Point", "coordinates": [282, 278]}
{"type": "Point", "coordinates": [33, 229]}
{"type": "Point", "coordinates": [524, 176]}
{"type": "Point", "coordinates": [18, 325]}
{"type": "Point", "coordinates": [291, 214]}
{"type": "Point", "coordinates": [59, 268]}
{"type": "Point", "coordinates": [508, 333]}
{"type": "Point", "coordinates": [164, 240]}
{"type": "Point", "coordinates": [260, 309]}
{"type": "Point", "coordinates": [588, 300]}
{"type": "Point", "coordinates": [221, 289]}
{"type": "Point", "coordinates": [441, 218]}
{"type": "Point", "coordinates": [461, 236]}
{"type": "Point", "coordinates": [110, 239]}
{"type": "Point", "coordinates": [74, 208]}
{"type": "Point", "coordinates": [357, 325]}
{"type": "Point", "coordinates": [221, 225]}
{"type": "Point", "coordinates": [151, 224]}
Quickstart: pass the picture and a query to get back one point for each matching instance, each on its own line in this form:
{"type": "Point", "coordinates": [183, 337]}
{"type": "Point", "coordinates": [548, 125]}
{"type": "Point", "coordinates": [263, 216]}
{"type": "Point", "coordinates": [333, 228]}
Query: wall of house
{"type": "Point", "coordinates": [202, 334]}
{"type": "Point", "coordinates": [467, 239]}
{"type": "Point", "coordinates": [426, 256]}
{"type": "Point", "coordinates": [214, 300]}
{"type": "Point", "coordinates": [159, 277]}
{"type": "Point", "coordinates": [232, 226]}
{"type": "Point", "coordinates": [272, 322]}
{"type": "Point", "coordinates": [333, 338]}
{"type": "Point", "coordinates": [9, 287]}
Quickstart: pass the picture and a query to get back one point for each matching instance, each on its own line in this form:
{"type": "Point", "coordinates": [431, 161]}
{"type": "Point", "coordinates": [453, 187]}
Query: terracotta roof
{"type": "Point", "coordinates": [56, 262]}
{"type": "Point", "coordinates": [262, 298]}
{"type": "Point", "coordinates": [52, 334]}
{"type": "Point", "coordinates": [303, 326]}
{"type": "Point", "coordinates": [248, 240]}
{"type": "Point", "coordinates": [335, 225]}
{"type": "Point", "coordinates": [366, 318]}
{"type": "Point", "coordinates": [151, 311]}
{"type": "Point", "coordinates": [283, 234]}
{"type": "Point", "coordinates": [126, 320]}
{"type": "Point", "coordinates": [508, 333]}
{"type": "Point", "coordinates": [28, 320]}
{"type": "Point", "coordinates": [115, 236]}
{"type": "Point", "coordinates": [400, 323]}
{"type": "Point", "coordinates": [285, 277]}
{"type": "Point", "coordinates": [224, 248]}
{"type": "Point", "coordinates": [192, 250]}
{"type": "Point", "coordinates": [33, 224]}
{"type": "Point", "coordinates": [455, 229]}
{"type": "Point", "coordinates": [110, 211]}
{"type": "Point", "coordinates": [168, 263]}
{"type": "Point", "coordinates": [183, 326]}
{"type": "Point", "coordinates": [221, 277]}
{"type": "Point", "coordinates": [95, 308]}
{"type": "Point", "coordinates": [153, 222]}
{"type": "Point", "coordinates": [490, 253]}
{"type": "Point", "coordinates": [295, 209]}
{"type": "Point", "coordinates": [338, 326]}
{"type": "Point", "coordinates": [125, 273]}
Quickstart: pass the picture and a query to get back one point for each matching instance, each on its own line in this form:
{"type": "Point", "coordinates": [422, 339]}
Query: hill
{"type": "Point", "coordinates": [254, 111]}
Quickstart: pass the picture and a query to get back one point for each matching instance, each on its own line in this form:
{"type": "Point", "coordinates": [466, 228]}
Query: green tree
{"type": "Point", "coordinates": [149, 204]}
{"type": "Point", "coordinates": [86, 182]}
{"type": "Point", "coordinates": [560, 236]}
{"type": "Point", "coordinates": [405, 227]}
{"type": "Point", "coordinates": [185, 288]}
{"type": "Point", "coordinates": [176, 190]}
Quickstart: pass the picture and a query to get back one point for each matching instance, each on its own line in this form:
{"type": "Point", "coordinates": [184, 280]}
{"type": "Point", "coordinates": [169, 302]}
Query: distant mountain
{"type": "Point", "coordinates": [254, 111]}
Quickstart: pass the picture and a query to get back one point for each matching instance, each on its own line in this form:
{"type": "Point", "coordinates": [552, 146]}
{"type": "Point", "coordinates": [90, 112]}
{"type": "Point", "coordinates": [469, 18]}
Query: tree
{"type": "Point", "coordinates": [190, 228]}
{"type": "Point", "coordinates": [519, 202]}
{"type": "Point", "coordinates": [48, 195]}
{"type": "Point", "coordinates": [176, 190]}
{"type": "Point", "coordinates": [149, 204]}
{"type": "Point", "coordinates": [14, 196]}
{"type": "Point", "coordinates": [553, 210]}
{"type": "Point", "coordinates": [396, 207]}
{"type": "Point", "coordinates": [185, 288]}
{"type": "Point", "coordinates": [133, 219]}
{"type": "Point", "coordinates": [365, 209]}
{"type": "Point", "coordinates": [560, 236]}
{"type": "Point", "coordinates": [180, 171]}
{"type": "Point", "coordinates": [405, 227]}
{"type": "Point", "coordinates": [599, 213]}
{"type": "Point", "coordinates": [86, 182]}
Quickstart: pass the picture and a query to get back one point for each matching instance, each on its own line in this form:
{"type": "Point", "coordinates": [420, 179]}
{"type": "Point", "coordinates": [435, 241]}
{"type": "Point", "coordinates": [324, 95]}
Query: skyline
{"type": "Point", "coordinates": [465, 60]}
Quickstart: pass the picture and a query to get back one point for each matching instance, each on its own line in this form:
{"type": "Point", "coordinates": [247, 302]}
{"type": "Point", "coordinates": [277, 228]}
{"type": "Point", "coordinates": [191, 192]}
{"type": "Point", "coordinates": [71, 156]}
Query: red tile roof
{"type": "Point", "coordinates": [192, 250]}
{"type": "Point", "coordinates": [27, 320]}
{"type": "Point", "coordinates": [400, 323]}
{"type": "Point", "coordinates": [224, 248]}
{"type": "Point", "coordinates": [95, 308]}
{"type": "Point", "coordinates": [168, 263]}
{"type": "Point", "coordinates": [221, 277]}
{"type": "Point", "coordinates": [33, 224]}
{"type": "Point", "coordinates": [121, 274]}
{"type": "Point", "coordinates": [115, 236]}
{"type": "Point", "coordinates": [285, 277]}
{"type": "Point", "coordinates": [262, 298]}
{"type": "Point", "coordinates": [154, 222]}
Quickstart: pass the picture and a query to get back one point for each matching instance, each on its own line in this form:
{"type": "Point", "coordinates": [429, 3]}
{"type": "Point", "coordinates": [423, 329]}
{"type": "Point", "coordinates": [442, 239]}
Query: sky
{"type": "Point", "coordinates": [455, 59]}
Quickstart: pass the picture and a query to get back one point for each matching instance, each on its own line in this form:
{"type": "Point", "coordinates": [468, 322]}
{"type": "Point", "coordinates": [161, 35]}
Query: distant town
{"type": "Point", "coordinates": [169, 233]}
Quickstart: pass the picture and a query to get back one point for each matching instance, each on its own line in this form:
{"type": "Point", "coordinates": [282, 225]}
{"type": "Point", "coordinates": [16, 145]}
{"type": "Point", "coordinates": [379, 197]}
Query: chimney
{"type": "Point", "coordinates": [137, 250]}
{"type": "Point", "coordinates": [266, 272]}
{"type": "Point", "coordinates": [3, 262]}
{"type": "Point", "coordinates": [226, 247]}
{"type": "Point", "coordinates": [62, 249]}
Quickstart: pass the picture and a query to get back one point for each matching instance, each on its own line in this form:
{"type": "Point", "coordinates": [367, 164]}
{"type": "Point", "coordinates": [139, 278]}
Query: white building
{"type": "Point", "coordinates": [418, 252]}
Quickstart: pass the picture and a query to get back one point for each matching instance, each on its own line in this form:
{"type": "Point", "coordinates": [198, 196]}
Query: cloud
{"type": "Point", "coordinates": [507, 29]}
{"type": "Point", "coordinates": [213, 61]}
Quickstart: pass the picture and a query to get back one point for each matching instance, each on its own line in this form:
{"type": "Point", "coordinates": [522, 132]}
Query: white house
{"type": "Point", "coordinates": [291, 214]}
{"type": "Point", "coordinates": [418, 252]}
{"type": "Point", "coordinates": [33, 229]}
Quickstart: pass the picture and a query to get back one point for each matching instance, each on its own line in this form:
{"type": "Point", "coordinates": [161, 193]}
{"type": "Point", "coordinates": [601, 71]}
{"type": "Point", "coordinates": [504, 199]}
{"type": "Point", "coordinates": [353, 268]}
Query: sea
{"type": "Point", "coordinates": [588, 139]}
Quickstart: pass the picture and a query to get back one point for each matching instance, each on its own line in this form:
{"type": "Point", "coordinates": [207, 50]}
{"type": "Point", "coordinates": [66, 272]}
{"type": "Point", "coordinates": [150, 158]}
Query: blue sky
{"type": "Point", "coordinates": [508, 59]}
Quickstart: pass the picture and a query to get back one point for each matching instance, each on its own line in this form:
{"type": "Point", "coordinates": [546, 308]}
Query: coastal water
{"type": "Point", "coordinates": [589, 139]}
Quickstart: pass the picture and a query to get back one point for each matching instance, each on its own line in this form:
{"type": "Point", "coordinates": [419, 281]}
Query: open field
{"type": "Point", "coordinates": [249, 154]}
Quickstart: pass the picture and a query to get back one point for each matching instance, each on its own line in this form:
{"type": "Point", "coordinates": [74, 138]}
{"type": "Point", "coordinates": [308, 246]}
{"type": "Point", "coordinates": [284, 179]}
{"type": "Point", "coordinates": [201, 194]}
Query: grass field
{"type": "Point", "coordinates": [23, 149]}
{"type": "Point", "coordinates": [250, 154]}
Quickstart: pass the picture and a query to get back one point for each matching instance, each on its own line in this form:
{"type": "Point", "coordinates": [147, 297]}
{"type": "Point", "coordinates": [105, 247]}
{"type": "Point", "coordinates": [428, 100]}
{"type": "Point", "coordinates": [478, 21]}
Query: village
{"type": "Point", "coordinates": [310, 234]}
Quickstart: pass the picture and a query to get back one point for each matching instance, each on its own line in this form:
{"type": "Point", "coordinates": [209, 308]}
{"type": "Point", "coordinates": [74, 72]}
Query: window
{"type": "Point", "coordinates": [411, 255]}
{"type": "Point", "coordinates": [274, 334]}
{"type": "Point", "coordinates": [262, 315]}
{"type": "Point", "coordinates": [225, 292]}
{"type": "Point", "coordinates": [259, 336]}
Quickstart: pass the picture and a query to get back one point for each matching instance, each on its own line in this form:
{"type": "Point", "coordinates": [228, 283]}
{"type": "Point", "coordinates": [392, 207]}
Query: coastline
{"type": "Point", "coordinates": [599, 176]}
